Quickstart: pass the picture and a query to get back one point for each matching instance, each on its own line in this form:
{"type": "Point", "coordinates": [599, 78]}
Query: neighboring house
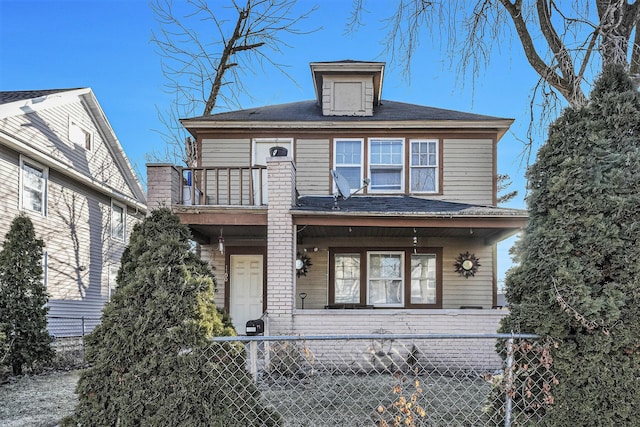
{"type": "Point", "coordinates": [62, 165]}
{"type": "Point", "coordinates": [414, 251]}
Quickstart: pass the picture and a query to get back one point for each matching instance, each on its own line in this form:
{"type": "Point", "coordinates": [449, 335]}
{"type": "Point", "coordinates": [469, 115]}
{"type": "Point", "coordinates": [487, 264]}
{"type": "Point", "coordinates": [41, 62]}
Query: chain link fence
{"type": "Point", "coordinates": [389, 380]}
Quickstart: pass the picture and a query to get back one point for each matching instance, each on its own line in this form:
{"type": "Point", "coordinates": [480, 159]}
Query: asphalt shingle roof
{"type": "Point", "coordinates": [21, 95]}
{"type": "Point", "coordinates": [400, 205]}
{"type": "Point", "coordinates": [310, 111]}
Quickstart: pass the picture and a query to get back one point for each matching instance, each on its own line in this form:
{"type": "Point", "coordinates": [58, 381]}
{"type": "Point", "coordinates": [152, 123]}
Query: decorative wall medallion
{"type": "Point", "coordinates": [303, 262]}
{"type": "Point", "coordinates": [467, 264]}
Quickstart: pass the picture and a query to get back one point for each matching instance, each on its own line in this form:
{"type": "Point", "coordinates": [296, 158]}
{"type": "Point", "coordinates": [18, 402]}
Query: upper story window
{"type": "Point", "coordinates": [79, 135]}
{"type": "Point", "coordinates": [33, 186]}
{"type": "Point", "coordinates": [424, 166]}
{"type": "Point", "coordinates": [386, 162]}
{"type": "Point", "coordinates": [392, 165]}
{"type": "Point", "coordinates": [118, 221]}
{"type": "Point", "coordinates": [348, 161]}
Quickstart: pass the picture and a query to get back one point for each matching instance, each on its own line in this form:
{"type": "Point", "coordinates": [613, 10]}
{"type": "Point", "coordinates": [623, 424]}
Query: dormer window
{"type": "Point", "coordinates": [348, 88]}
{"type": "Point", "coordinates": [347, 96]}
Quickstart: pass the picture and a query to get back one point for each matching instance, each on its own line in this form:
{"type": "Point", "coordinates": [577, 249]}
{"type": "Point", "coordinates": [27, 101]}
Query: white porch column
{"type": "Point", "coordinates": [281, 178]}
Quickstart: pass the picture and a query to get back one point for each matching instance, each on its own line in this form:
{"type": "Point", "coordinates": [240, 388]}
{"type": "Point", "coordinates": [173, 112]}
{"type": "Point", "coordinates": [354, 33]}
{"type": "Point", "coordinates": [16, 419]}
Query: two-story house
{"type": "Point", "coordinates": [347, 213]}
{"type": "Point", "coordinates": [63, 166]}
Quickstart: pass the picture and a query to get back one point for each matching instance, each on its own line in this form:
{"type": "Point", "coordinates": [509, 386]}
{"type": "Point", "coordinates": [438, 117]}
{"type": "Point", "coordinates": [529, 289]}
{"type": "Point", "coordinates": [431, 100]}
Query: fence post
{"type": "Point", "coordinates": [253, 359]}
{"type": "Point", "coordinates": [508, 383]}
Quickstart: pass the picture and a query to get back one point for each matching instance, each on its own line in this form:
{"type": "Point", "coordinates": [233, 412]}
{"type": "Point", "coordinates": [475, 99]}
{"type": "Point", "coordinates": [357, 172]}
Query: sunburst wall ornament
{"type": "Point", "coordinates": [303, 262]}
{"type": "Point", "coordinates": [467, 264]}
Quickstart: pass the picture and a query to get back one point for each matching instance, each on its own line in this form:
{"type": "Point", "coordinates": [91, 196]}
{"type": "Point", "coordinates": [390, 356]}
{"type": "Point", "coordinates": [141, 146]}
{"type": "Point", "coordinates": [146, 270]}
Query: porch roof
{"type": "Point", "coordinates": [400, 205]}
{"type": "Point", "coordinates": [396, 216]}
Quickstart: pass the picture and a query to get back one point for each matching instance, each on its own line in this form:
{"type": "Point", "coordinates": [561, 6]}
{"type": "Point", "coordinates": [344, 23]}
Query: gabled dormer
{"type": "Point", "coordinates": [347, 88]}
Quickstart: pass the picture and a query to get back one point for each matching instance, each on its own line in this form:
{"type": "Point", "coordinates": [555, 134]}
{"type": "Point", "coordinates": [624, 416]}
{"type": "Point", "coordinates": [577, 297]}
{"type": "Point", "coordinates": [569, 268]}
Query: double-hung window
{"type": "Point", "coordinates": [424, 166]}
{"type": "Point", "coordinates": [348, 160]}
{"type": "Point", "coordinates": [33, 187]}
{"type": "Point", "coordinates": [347, 278]}
{"type": "Point", "coordinates": [118, 221]}
{"type": "Point", "coordinates": [386, 163]}
{"type": "Point", "coordinates": [384, 278]}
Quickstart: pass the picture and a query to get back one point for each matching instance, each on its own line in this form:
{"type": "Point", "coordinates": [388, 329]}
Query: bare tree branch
{"type": "Point", "coordinates": [204, 59]}
{"type": "Point", "coordinates": [565, 43]}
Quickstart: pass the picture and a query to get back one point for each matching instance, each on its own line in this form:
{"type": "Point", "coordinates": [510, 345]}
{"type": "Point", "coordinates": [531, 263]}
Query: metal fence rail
{"type": "Point", "coordinates": [393, 380]}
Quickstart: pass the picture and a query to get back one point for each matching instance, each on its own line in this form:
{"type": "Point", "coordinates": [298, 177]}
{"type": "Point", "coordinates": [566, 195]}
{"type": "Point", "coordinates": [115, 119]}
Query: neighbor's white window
{"type": "Point", "coordinates": [347, 279]}
{"type": "Point", "coordinates": [385, 278]}
{"type": "Point", "coordinates": [33, 186]}
{"type": "Point", "coordinates": [423, 279]}
{"type": "Point", "coordinates": [386, 162]}
{"type": "Point", "coordinates": [111, 282]}
{"type": "Point", "coordinates": [118, 221]}
{"type": "Point", "coordinates": [79, 135]}
{"type": "Point", "coordinates": [348, 160]}
{"type": "Point", "coordinates": [424, 166]}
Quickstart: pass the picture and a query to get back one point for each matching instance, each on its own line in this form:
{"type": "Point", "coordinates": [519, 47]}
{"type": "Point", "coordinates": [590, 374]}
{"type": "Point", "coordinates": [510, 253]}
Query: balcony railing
{"type": "Point", "coordinates": [224, 186]}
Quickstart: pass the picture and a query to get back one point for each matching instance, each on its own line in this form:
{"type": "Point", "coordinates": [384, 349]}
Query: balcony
{"type": "Point", "coordinates": [224, 186]}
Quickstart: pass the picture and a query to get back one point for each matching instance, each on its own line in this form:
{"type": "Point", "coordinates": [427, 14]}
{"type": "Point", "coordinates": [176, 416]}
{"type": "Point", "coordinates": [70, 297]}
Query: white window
{"type": "Point", "coordinates": [33, 186]}
{"type": "Point", "coordinates": [347, 279]}
{"type": "Point", "coordinates": [347, 160]}
{"type": "Point", "coordinates": [118, 221]}
{"type": "Point", "coordinates": [386, 162]}
{"type": "Point", "coordinates": [385, 278]}
{"type": "Point", "coordinates": [79, 135]}
{"type": "Point", "coordinates": [111, 281]}
{"type": "Point", "coordinates": [424, 166]}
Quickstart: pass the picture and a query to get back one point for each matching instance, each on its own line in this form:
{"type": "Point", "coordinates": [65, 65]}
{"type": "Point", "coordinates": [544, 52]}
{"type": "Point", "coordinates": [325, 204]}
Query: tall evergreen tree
{"type": "Point", "coordinates": [578, 278]}
{"type": "Point", "coordinates": [151, 360]}
{"type": "Point", "coordinates": [23, 297]}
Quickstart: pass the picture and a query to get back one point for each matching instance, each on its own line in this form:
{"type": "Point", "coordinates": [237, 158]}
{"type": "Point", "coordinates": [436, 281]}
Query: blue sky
{"type": "Point", "coordinates": [106, 45]}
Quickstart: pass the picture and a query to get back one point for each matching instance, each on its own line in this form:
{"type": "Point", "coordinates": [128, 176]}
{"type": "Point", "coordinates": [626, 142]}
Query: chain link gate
{"type": "Point", "coordinates": [395, 380]}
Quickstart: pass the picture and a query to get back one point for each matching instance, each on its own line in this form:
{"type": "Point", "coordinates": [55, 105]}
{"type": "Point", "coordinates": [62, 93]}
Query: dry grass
{"type": "Point", "coordinates": [38, 400]}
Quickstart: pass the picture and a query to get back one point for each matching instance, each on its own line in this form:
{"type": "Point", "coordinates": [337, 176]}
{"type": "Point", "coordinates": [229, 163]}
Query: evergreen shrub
{"type": "Point", "coordinates": [23, 299]}
{"type": "Point", "coordinates": [577, 281]}
{"type": "Point", "coordinates": [151, 361]}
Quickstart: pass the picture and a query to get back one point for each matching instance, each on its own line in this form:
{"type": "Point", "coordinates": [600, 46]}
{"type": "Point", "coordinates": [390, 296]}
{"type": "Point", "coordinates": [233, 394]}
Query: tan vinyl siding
{"type": "Point", "coordinates": [226, 152]}
{"type": "Point", "coordinates": [222, 153]}
{"type": "Point", "coordinates": [476, 290]}
{"type": "Point", "coordinates": [317, 274]}
{"type": "Point", "coordinates": [312, 166]}
{"type": "Point", "coordinates": [468, 173]}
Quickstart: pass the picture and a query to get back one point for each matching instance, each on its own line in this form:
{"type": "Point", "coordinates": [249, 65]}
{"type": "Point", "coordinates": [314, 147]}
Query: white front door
{"type": "Point", "coordinates": [245, 290]}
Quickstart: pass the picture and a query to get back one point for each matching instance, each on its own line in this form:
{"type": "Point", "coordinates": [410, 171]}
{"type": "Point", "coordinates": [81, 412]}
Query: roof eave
{"type": "Point", "coordinates": [500, 125]}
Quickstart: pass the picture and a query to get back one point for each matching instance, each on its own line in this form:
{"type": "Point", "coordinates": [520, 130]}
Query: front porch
{"type": "Point", "coordinates": [253, 248]}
